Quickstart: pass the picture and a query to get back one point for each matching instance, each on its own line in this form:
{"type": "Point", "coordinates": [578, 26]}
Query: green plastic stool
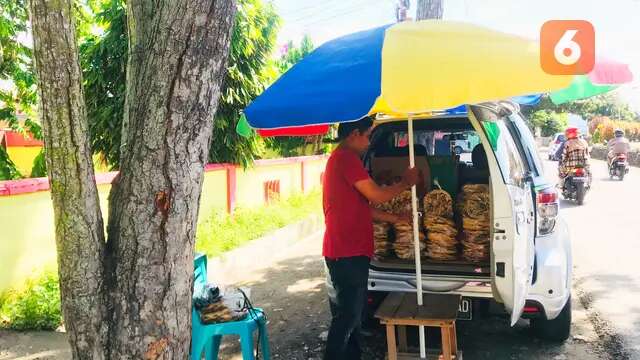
{"type": "Point", "coordinates": [207, 337]}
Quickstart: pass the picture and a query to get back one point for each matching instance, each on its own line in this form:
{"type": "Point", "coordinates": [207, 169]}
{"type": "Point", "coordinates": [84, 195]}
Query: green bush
{"type": "Point", "coordinates": [8, 169]}
{"type": "Point", "coordinates": [39, 168]}
{"type": "Point", "coordinates": [36, 306]}
{"type": "Point", "coordinates": [221, 232]}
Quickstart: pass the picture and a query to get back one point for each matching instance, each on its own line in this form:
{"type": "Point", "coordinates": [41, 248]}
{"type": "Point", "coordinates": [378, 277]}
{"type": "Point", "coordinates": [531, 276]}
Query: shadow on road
{"type": "Point", "coordinates": [293, 294]}
{"type": "Point", "coordinates": [570, 204]}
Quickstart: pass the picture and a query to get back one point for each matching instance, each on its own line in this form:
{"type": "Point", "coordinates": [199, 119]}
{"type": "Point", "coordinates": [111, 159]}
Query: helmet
{"type": "Point", "coordinates": [571, 133]}
{"type": "Point", "coordinates": [618, 133]}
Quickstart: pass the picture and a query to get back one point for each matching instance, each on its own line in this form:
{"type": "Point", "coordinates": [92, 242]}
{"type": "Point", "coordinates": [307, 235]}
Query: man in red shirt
{"type": "Point", "coordinates": [348, 193]}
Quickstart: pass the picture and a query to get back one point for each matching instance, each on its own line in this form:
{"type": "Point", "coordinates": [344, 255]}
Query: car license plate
{"type": "Point", "coordinates": [465, 309]}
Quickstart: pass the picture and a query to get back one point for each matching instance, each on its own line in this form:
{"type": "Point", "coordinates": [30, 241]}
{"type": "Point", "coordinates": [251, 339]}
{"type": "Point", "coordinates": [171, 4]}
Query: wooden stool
{"type": "Point", "coordinates": [401, 310]}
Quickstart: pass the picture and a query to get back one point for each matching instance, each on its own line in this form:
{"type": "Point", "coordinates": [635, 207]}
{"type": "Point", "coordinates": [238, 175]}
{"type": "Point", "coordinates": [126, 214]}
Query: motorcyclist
{"type": "Point", "coordinates": [573, 153]}
{"type": "Point", "coordinates": [618, 145]}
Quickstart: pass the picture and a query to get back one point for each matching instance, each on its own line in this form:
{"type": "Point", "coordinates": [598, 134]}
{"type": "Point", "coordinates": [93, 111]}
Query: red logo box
{"type": "Point", "coordinates": [567, 47]}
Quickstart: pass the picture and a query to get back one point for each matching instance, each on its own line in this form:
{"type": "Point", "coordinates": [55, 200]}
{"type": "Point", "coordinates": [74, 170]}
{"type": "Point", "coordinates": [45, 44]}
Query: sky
{"type": "Point", "coordinates": [616, 22]}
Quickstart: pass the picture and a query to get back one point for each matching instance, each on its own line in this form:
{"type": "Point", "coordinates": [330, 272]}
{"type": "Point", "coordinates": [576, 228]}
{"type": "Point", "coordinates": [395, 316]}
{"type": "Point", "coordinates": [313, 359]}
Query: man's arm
{"type": "Point", "coordinates": [378, 195]}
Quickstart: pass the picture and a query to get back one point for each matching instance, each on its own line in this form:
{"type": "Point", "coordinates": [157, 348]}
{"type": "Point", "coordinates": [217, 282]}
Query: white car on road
{"type": "Point", "coordinates": [528, 274]}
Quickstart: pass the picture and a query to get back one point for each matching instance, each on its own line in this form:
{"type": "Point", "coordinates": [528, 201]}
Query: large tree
{"type": "Point", "coordinates": [248, 71]}
{"type": "Point", "coordinates": [129, 296]}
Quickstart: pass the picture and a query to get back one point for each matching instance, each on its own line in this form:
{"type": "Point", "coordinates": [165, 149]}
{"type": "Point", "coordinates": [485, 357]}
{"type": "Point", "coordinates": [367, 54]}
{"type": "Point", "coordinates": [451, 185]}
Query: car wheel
{"type": "Point", "coordinates": [457, 150]}
{"type": "Point", "coordinates": [558, 329]}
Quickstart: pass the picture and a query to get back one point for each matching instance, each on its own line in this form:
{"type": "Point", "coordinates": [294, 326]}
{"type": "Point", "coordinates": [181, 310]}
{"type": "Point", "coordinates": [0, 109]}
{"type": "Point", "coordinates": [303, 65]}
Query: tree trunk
{"type": "Point", "coordinates": [131, 297]}
{"type": "Point", "coordinates": [177, 57]}
{"type": "Point", "coordinates": [78, 222]}
{"type": "Point", "coordinates": [429, 9]}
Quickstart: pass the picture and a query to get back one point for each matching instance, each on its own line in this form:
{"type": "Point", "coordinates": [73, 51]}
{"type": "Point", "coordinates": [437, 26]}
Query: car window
{"type": "Point", "coordinates": [505, 151]}
{"type": "Point", "coordinates": [529, 145]}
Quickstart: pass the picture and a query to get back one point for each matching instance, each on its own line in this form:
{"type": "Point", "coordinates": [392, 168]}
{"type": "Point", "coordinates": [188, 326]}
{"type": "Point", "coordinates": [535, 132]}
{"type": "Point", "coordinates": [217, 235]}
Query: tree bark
{"type": "Point", "coordinates": [130, 297]}
{"type": "Point", "coordinates": [429, 9]}
{"type": "Point", "coordinates": [177, 57]}
{"type": "Point", "coordinates": [78, 222]}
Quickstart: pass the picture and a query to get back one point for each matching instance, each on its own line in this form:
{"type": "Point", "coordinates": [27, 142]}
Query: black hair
{"type": "Point", "coordinates": [345, 129]}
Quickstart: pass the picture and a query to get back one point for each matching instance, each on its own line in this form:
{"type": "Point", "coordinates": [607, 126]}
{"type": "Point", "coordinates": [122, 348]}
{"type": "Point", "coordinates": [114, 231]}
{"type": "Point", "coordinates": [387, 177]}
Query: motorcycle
{"type": "Point", "coordinates": [619, 166]}
{"type": "Point", "coordinates": [576, 184]}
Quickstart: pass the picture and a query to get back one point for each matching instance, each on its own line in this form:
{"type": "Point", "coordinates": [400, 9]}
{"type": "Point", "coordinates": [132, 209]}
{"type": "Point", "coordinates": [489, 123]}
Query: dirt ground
{"type": "Point", "coordinates": [289, 285]}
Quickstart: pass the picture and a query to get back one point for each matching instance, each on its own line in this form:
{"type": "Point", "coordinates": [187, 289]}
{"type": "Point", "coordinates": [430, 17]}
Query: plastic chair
{"type": "Point", "coordinates": [207, 337]}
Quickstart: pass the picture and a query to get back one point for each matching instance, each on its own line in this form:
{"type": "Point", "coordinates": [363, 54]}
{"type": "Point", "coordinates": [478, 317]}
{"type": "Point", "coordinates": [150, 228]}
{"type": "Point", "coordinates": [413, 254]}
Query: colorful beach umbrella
{"type": "Point", "coordinates": [406, 68]}
{"type": "Point", "coordinates": [581, 88]}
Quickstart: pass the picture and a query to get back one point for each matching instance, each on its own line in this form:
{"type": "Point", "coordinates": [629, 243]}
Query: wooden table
{"type": "Point", "coordinates": [401, 310]}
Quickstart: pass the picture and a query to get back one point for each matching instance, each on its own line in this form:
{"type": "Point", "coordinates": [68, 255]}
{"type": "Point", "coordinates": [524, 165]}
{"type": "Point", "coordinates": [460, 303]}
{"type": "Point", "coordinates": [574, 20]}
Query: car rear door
{"type": "Point", "coordinates": [512, 240]}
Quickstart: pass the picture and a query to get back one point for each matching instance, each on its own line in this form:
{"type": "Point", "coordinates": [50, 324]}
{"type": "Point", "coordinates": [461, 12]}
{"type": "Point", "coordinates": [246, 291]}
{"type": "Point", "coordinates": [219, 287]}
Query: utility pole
{"type": "Point", "coordinates": [429, 9]}
{"type": "Point", "coordinates": [402, 8]}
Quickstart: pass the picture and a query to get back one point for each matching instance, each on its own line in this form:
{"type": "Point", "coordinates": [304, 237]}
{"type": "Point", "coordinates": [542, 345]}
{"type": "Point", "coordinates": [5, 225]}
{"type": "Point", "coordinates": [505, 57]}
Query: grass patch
{"type": "Point", "coordinates": [222, 232]}
{"type": "Point", "coordinates": [36, 306]}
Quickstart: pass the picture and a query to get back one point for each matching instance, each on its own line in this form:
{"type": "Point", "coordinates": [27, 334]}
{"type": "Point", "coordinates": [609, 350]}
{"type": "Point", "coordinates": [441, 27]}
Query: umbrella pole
{"type": "Point", "coordinates": [416, 236]}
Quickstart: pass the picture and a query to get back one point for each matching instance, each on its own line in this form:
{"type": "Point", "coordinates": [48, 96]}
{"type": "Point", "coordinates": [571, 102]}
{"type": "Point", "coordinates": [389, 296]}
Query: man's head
{"type": "Point", "coordinates": [619, 133]}
{"type": "Point", "coordinates": [571, 133]}
{"type": "Point", "coordinates": [355, 135]}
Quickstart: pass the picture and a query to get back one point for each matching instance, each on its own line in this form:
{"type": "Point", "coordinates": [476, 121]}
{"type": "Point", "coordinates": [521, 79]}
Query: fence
{"type": "Point", "coordinates": [27, 240]}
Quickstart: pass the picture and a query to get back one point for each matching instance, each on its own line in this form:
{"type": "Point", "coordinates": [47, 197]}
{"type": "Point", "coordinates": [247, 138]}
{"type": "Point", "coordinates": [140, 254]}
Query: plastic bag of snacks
{"type": "Point", "coordinates": [442, 234]}
{"type": "Point", "coordinates": [474, 204]}
{"type": "Point", "coordinates": [403, 245]}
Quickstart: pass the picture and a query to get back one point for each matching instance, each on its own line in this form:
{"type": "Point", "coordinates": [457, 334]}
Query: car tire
{"type": "Point", "coordinates": [556, 330]}
{"type": "Point", "coordinates": [457, 150]}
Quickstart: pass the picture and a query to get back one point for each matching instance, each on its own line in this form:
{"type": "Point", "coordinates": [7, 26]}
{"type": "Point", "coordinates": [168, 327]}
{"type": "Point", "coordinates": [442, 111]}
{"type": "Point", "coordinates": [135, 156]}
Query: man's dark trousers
{"type": "Point", "coordinates": [347, 282]}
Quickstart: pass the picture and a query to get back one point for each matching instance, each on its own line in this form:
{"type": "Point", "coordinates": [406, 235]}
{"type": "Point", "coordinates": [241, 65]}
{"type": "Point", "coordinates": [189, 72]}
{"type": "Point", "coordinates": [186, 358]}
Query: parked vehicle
{"type": "Point", "coordinates": [530, 268]}
{"type": "Point", "coordinates": [619, 166]}
{"type": "Point", "coordinates": [576, 185]}
{"type": "Point", "coordinates": [460, 142]}
{"type": "Point", "coordinates": [558, 139]}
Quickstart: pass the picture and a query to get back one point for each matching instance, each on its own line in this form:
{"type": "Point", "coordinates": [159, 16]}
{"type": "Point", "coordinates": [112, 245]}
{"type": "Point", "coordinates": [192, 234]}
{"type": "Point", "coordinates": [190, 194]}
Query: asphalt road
{"type": "Point", "coordinates": [605, 233]}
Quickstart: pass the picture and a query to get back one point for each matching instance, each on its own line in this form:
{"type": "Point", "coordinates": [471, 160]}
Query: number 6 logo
{"type": "Point", "coordinates": [567, 47]}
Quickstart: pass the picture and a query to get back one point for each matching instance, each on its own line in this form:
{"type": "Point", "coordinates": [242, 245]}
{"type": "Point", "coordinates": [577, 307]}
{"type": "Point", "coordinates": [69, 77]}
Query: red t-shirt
{"type": "Point", "coordinates": [347, 215]}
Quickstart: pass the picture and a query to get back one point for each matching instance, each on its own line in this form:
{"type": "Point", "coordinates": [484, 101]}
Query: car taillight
{"type": "Point", "coordinates": [530, 310]}
{"type": "Point", "coordinates": [548, 208]}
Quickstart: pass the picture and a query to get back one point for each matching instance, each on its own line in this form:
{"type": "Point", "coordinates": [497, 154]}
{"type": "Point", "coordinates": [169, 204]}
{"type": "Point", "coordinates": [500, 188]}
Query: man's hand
{"type": "Point", "coordinates": [410, 177]}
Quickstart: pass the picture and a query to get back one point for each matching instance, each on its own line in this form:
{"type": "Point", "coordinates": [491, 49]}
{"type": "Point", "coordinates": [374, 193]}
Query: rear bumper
{"type": "Point", "coordinates": [404, 282]}
{"type": "Point", "coordinates": [554, 271]}
{"type": "Point", "coordinates": [551, 289]}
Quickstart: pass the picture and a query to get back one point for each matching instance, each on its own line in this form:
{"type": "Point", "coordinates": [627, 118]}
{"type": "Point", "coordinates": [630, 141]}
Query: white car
{"type": "Point", "coordinates": [555, 143]}
{"type": "Point", "coordinates": [529, 272]}
{"type": "Point", "coordinates": [460, 142]}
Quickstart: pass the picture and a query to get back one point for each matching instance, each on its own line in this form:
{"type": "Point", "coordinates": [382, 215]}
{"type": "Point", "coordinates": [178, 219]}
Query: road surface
{"type": "Point", "coordinates": [605, 233]}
